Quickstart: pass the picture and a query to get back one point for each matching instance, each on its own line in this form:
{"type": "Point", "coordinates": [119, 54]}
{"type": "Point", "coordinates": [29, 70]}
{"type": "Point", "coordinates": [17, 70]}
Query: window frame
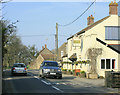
{"type": "Point", "coordinates": [106, 64]}
{"type": "Point", "coordinates": [110, 63]}
{"type": "Point", "coordinates": [118, 39]}
{"type": "Point", "coordinates": [101, 62]}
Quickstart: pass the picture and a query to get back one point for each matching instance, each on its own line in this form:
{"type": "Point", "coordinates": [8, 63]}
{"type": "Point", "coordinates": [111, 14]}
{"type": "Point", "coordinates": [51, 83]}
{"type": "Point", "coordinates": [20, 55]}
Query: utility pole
{"type": "Point", "coordinates": [56, 41]}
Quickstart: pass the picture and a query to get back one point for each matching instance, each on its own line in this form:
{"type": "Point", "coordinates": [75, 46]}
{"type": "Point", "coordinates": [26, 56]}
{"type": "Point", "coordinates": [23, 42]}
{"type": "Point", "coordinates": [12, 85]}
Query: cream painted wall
{"type": "Point", "coordinates": [72, 49]}
{"type": "Point", "coordinates": [99, 32]}
{"type": "Point", "coordinates": [89, 41]}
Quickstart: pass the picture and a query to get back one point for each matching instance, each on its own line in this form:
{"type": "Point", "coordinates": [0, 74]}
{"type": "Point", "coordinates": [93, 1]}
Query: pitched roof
{"type": "Point", "coordinates": [66, 55]}
{"type": "Point", "coordinates": [73, 57]}
{"type": "Point", "coordinates": [90, 26]}
{"type": "Point", "coordinates": [45, 49]}
{"type": "Point", "coordinates": [48, 56]}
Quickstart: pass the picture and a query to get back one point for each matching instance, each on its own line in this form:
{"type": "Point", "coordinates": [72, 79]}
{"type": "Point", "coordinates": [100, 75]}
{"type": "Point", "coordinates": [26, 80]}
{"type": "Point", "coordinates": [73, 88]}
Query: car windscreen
{"type": "Point", "coordinates": [54, 64]}
{"type": "Point", "coordinates": [18, 65]}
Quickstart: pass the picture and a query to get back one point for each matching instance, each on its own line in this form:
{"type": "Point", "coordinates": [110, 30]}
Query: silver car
{"type": "Point", "coordinates": [50, 69]}
{"type": "Point", "coordinates": [19, 68]}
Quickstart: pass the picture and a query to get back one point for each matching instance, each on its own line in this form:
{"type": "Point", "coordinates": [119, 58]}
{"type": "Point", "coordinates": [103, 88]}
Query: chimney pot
{"type": "Point", "coordinates": [114, 1]}
{"type": "Point", "coordinates": [45, 46]}
{"type": "Point", "coordinates": [90, 20]}
{"type": "Point", "coordinates": [42, 47]}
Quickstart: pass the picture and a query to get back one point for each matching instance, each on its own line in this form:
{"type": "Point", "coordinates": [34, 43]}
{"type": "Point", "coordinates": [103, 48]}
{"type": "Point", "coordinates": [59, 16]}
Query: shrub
{"type": "Point", "coordinates": [69, 70]}
{"type": "Point", "coordinates": [82, 72]}
{"type": "Point", "coordinates": [78, 73]}
{"type": "Point", "coordinates": [64, 69]}
{"type": "Point", "coordinates": [73, 70]}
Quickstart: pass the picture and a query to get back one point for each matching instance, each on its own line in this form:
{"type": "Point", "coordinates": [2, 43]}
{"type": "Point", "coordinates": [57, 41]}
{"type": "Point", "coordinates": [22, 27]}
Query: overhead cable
{"type": "Point", "coordinates": [79, 15]}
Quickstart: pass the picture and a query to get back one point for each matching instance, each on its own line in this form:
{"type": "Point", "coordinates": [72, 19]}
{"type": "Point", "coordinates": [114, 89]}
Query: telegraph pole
{"type": "Point", "coordinates": [56, 41]}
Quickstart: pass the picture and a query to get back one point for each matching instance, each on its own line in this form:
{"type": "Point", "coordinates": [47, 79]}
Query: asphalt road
{"type": "Point", "coordinates": [25, 84]}
{"type": "Point", "coordinates": [69, 84]}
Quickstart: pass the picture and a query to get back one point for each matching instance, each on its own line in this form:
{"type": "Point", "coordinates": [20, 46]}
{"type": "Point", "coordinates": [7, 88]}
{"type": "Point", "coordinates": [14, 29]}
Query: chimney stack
{"type": "Point", "coordinates": [113, 10]}
{"type": "Point", "coordinates": [45, 46]}
{"type": "Point", "coordinates": [119, 8]}
{"type": "Point", "coordinates": [90, 20]}
{"type": "Point", "coordinates": [42, 47]}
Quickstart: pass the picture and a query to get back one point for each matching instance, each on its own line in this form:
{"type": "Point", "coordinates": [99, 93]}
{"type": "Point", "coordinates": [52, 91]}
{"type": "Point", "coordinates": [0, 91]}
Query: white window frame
{"type": "Point", "coordinates": [115, 63]}
{"type": "Point", "coordinates": [110, 63]}
{"type": "Point", "coordinates": [105, 63]}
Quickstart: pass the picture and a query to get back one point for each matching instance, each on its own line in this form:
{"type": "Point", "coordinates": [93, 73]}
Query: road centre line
{"type": "Point", "coordinates": [57, 88]}
{"type": "Point", "coordinates": [45, 82]}
{"type": "Point", "coordinates": [35, 77]}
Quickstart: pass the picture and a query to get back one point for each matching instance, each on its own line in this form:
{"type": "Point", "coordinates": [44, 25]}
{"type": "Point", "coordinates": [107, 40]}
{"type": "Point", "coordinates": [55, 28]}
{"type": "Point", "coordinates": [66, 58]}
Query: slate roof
{"type": "Point", "coordinates": [73, 57]}
{"type": "Point", "coordinates": [115, 48]}
{"type": "Point", "coordinates": [66, 55]}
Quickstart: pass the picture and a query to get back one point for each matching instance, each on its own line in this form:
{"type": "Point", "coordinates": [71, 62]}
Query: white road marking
{"type": "Point", "coordinates": [7, 78]}
{"type": "Point", "coordinates": [57, 88]}
{"type": "Point", "coordinates": [29, 74]}
{"type": "Point", "coordinates": [36, 77]}
{"type": "Point", "coordinates": [46, 82]}
{"type": "Point", "coordinates": [64, 83]}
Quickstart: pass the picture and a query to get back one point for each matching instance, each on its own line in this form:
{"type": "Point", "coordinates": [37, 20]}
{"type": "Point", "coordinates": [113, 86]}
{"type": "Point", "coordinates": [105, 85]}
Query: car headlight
{"type": "Point", "coordinates": [59, 70]}
{"type": "Point", "coordinates": [46, 70]}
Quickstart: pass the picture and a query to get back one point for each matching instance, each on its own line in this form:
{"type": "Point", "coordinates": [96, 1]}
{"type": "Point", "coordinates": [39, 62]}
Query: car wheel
{"type": "Point", "coordinates": [25, 74]}
{"type": "Point", "coordinates": [39, 75]}
{"type": "Point", "coordinates": [60, 77]}
{"type": "Point", "coordinates": [12, 74]}
{"type": "Point", "coordinates": [42, 76]}
{"type": "Point", "coordinates": [55, 77]}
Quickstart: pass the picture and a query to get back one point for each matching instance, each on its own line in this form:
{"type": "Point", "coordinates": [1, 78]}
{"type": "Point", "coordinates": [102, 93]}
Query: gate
{"type": "Point", "coordinates": [112, 79]}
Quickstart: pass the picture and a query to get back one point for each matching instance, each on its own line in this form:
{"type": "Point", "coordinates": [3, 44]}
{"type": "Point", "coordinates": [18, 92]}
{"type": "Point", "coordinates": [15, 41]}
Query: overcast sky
{"type": "Point", "coordinates": [38, 19]}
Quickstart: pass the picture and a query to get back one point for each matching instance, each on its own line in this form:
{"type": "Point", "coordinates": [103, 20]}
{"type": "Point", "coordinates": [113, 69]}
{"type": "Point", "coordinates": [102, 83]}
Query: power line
{"type": "Point", "coordinates": [78, 16]}
{"type": "Point", "coordinates": [39, 35]}
{"type": "Point", "coordinates": [34, 35]}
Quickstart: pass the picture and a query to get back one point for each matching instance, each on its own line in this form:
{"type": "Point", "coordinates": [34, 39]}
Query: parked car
{"type": "Point", "coordinates": [19, 68]}
{"type": "Point", "coordinates": [50, 69]}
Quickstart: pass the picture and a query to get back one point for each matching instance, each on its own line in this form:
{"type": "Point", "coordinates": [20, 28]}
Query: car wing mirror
{"type": "Point", "coordinates": [41, 65]}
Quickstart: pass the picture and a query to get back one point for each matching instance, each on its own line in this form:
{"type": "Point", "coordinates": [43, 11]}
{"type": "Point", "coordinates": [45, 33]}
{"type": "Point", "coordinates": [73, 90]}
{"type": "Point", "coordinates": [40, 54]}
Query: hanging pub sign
{"type": "Point", "coordinates": [76, 42]}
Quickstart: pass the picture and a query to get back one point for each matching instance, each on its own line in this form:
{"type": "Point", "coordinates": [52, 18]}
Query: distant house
{"type": "Point", "coordinates": [45, 54]}
{"type": "Point", "coordinates": [98, 43]}
{"type": "Point", "coordinates": [62, 51]}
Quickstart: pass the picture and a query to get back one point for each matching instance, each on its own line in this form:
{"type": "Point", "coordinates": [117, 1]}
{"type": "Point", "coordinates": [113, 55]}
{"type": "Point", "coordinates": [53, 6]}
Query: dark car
{"type": "Point", "coordinates": [19, 68]}
{"type": "Point", "coordinates": [50, 69]}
